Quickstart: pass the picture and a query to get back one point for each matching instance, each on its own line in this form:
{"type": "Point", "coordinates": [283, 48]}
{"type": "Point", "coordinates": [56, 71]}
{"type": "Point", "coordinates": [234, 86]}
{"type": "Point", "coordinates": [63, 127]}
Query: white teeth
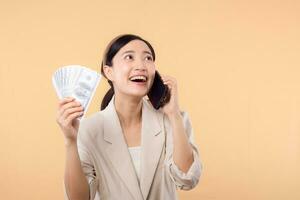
{"type": "Point", "coordinates": [138, 78]}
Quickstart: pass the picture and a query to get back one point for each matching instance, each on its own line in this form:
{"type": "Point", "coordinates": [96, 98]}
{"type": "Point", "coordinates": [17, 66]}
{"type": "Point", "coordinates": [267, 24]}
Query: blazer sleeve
{"type": "Point", "coordinates": [188, 180]}
{"type": "Point", "coordinates": [86, 164]}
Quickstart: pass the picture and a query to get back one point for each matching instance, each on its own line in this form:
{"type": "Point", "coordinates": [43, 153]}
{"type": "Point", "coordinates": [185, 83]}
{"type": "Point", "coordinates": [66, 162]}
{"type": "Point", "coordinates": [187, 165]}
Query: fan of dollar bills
{"type": "Point", "coordinates": [76, 81]}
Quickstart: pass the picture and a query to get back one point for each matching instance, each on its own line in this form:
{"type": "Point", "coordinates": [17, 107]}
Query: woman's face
{"type": "Point", "coordinates": [133, 69]}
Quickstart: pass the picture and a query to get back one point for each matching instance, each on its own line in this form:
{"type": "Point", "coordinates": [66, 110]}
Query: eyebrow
{"type": "Point", "coordinates": [131, 51]}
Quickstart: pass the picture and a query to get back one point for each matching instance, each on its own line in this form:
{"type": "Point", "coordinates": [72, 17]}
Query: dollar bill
{"type": "Point", "coordinates": [76, 81]}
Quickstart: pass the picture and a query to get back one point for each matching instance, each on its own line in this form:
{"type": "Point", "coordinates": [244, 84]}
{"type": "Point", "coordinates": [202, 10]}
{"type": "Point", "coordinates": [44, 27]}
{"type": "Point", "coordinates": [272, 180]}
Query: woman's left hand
{"type": "Point", "coordinates": [172, 107]}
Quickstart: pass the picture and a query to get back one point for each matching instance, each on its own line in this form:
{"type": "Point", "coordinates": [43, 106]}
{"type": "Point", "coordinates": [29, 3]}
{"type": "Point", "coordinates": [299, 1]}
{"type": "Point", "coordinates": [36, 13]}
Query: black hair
{"type": "Point", "coordinates": [111, 50]}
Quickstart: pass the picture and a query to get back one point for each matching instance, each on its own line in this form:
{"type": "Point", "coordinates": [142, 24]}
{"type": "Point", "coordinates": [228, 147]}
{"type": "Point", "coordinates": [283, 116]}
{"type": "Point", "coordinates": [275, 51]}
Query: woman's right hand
{"type": "Point", "coordinates": [68, 111]}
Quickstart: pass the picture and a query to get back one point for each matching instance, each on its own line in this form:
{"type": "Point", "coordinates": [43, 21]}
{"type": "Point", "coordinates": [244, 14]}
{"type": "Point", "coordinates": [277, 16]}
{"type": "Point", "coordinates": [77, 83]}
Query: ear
{"type": "Point", "coordinates": [108, 71]}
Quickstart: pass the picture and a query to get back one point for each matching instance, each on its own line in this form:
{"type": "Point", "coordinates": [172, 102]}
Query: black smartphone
{"type": "Point", "coordinates": [159, 93]}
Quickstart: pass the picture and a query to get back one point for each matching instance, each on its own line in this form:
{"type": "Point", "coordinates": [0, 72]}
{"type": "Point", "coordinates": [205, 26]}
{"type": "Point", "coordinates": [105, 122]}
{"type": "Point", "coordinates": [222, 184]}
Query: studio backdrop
{"type": "Point", "coordinates": [236, 63]}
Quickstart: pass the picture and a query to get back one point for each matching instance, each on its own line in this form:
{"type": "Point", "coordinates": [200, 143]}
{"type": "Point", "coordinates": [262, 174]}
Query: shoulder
{"type": "Point", "coordinates": [92, 120]}
{"type": "Point", "coordinates": [91, 126]}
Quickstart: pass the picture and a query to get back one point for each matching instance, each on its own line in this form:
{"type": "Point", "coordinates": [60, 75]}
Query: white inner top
{"type": "Point", "coordinates": [135, 153]}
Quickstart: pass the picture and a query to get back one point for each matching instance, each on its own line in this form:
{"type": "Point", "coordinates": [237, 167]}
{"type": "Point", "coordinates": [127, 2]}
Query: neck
{"type": "Point", "coordinates": [129, 109]}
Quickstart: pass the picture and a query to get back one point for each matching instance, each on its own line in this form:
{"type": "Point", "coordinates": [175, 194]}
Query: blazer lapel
{"type": "Point", "coordinates": [117, 149]}
{"type": "Point", "coordinates": [152, 145]}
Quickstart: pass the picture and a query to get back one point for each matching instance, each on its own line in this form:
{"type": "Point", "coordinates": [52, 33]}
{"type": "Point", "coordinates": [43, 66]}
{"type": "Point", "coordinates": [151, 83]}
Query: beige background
{"type": "Point", "coordinates": [237, 65]}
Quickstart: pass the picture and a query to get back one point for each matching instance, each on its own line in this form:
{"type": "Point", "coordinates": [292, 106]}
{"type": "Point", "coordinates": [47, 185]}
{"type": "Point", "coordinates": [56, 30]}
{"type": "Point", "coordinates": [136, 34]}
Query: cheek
{"type": "Point", "coordinates": [120, 78]}
{"type": "Point", "coordinates": [121, 74]}
{"type": "Point", "coordinates": [151, 71]}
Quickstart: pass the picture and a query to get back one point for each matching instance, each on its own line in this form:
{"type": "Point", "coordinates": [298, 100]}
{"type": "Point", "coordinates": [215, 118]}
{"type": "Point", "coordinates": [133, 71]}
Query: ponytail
{"type": "Point", "coordinates": [108, 96]}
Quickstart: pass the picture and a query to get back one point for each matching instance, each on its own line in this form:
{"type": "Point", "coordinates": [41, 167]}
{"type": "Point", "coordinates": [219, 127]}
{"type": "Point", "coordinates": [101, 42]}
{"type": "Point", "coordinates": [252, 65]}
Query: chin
{"type": "Point", "coordinates": [139, 94]}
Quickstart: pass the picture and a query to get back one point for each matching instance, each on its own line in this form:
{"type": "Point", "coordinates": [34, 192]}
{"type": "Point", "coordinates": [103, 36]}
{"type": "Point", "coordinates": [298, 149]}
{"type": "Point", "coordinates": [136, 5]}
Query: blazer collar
{"type": "Point", "coordinates": [117, 149]}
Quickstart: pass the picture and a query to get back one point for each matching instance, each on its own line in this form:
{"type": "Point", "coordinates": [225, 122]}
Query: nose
{"type": "Point", "coordinates": [140, 65]}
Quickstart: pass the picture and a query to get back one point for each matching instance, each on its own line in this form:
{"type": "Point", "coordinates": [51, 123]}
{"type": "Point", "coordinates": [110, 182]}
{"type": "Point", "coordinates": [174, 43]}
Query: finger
{"type": "Point", "coordinates": [65, 100]}
{"type": "Point", "coordinates": [164, 78]}
{"type": "Point", "coordinates": [70, 111]}
{"type": "Point", "coordinates": [72, 117]}
{"type": "Point", "coordinates": [68, 105]}
{"type": "Point", "coordinates": [168, 82]}
{"type": "Point", "coordinates": [171, 81]}
{"type": "Point", "coordinates": [63, 114]}
{"type": "Point", "coordinates": [61, 105]}
{"type": "Point", "coordinates": [171, 86]}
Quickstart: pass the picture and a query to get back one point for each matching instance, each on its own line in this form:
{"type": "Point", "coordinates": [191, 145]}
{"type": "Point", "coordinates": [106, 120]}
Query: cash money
{"type": "Point", "coordinates": [76, 81]}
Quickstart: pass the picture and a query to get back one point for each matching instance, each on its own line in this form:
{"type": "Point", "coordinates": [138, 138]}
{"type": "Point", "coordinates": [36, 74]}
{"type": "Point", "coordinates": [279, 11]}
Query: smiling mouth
{"type": "Point", "coordinates": [139, 79]}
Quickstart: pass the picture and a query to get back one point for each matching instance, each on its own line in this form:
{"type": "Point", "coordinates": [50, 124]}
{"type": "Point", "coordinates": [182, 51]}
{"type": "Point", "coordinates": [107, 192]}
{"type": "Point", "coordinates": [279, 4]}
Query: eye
{"type": "Point", "coordinates": [128, 57]}
{"type": "Point", "coordinates": [149, 58]}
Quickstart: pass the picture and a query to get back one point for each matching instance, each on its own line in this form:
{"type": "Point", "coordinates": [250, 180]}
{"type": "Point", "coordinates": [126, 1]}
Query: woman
{"type": "Point", "coordinates": [129, 150]}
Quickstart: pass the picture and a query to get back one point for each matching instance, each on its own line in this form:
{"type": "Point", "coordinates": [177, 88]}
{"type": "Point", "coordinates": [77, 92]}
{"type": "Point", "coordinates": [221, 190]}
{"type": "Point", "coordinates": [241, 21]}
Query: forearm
{"type": "Point", "coordinates": [182, 151]}
{"type": "Point", "coordinates": [76, 184]}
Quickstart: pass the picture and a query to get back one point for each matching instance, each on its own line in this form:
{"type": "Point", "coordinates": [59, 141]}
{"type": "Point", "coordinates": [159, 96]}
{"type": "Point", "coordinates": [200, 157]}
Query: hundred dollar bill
{"type": "Point", "coordinates": [76, 81]}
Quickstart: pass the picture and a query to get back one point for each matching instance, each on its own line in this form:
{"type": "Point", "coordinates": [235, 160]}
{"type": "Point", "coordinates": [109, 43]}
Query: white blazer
{"type": "Point", "coordinates": [108, 167]}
